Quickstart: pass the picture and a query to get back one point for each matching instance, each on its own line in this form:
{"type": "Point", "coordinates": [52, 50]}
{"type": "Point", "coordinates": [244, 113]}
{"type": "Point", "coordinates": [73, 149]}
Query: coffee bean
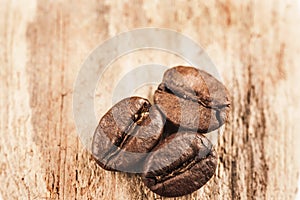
{"type": "Point", "coordinates": [126, 133]}
{"type": "Point", "coordinates": [192, 99]}
{"type": "Point", "coordinates": [164, 141]}
{"type": "Point", "coordinates": [180, 164]}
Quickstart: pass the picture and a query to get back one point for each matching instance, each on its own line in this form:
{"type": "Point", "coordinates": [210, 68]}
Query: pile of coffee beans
{"type": "Point", "coordinates": [165, 142]}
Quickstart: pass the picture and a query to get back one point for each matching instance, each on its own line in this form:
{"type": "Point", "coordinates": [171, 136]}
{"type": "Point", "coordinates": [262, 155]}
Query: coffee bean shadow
{"type": "Point", "coordinates": [134, 185]}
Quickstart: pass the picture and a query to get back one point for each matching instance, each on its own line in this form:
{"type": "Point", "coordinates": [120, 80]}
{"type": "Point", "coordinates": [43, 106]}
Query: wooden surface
{"type": "Point", "coordinates": [254, 44]}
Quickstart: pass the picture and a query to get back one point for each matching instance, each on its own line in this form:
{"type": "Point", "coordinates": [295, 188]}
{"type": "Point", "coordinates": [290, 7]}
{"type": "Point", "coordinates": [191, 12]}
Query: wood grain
{"type": "Point", "coordinates": [254, 45]}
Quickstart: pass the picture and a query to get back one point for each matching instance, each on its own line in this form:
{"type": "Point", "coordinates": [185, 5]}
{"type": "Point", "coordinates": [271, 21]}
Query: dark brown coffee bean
{"type": "Point", "coordinates": [180, 164]}
{"type": "Point", "coordinates": [126, 133]}
{"type": "Point", "coordinates": [192, 99]}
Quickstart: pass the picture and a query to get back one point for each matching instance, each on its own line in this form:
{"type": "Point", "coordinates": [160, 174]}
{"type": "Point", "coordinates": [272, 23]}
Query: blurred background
{"type": "Point", "coordinates": [254, 44]}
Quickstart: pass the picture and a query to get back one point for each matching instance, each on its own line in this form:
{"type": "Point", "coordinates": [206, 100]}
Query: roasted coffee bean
{"type": "Point", "coordinates": [126, 133]}
{"type": "Point", "coordinates": [192, 99]}
{"type": "Point", "coordinates": [181, 164]}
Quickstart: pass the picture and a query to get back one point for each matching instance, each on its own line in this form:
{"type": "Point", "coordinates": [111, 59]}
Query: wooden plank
{"type": "Point", "coordinates": [43, 44]}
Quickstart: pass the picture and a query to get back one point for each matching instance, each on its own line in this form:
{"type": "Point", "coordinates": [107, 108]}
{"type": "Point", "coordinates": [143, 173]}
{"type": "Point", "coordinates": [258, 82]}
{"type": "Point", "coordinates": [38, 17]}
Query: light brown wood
{"type": "Point", "coordinates": [254, 45]}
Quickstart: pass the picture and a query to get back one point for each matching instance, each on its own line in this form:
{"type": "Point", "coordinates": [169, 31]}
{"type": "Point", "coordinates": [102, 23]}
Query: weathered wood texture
{"type": "Point", "coordinates": [255, 45]}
